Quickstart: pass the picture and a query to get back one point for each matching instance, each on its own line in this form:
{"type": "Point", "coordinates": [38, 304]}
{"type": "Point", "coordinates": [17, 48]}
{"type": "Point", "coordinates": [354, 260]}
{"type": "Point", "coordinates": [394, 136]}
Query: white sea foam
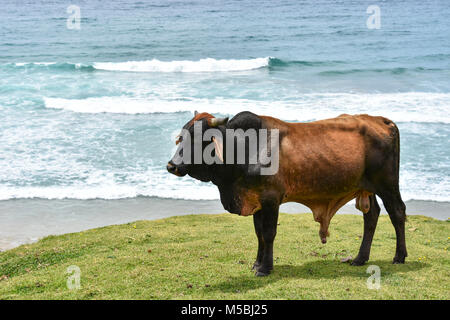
{"type": "Point", "coordinates": [427, 185]}
{"type": "Point", "coordinates": [202, 65]}
{"type": "Point", "coordinates": [152, 183]}
{"type": "Point", "coordinates": [401, 107]}
{"type": "Point", "coordinates": [163, 185]}
{"type": "Point", "coordinates": [184, 191]}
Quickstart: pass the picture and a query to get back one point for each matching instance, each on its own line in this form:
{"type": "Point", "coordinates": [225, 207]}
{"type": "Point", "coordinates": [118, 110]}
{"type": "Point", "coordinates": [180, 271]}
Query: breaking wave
{"type": "Point", "coordinates": [401, 107]}
{"type": "Point", "coordinates": [326, 68]}
{"type": "Point", "coordinates": [154, 65]}
{"type": "Point", "coordinates": [202, 65]}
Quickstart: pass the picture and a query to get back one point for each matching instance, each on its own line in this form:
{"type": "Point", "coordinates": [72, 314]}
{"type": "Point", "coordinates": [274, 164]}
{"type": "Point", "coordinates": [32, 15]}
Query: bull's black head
{"type": "Point", "coordinates": [188, 159]}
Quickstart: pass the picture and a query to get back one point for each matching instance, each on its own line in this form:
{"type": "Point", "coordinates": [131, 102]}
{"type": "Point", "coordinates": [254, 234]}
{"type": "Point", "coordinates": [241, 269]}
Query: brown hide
{"type": "Point", "coordinates": [250, 202]}
{"type": "Point", "coordinates": [322, 163]}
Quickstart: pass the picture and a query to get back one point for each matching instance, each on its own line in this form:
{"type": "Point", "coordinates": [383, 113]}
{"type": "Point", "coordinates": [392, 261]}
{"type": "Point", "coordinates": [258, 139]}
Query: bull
{"type": "Point", "coordinates": [322, 165]}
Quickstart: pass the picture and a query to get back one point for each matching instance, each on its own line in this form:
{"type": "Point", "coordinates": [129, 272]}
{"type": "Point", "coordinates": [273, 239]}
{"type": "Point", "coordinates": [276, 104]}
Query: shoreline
{"type": "Point", "coordinates": [28, 220]}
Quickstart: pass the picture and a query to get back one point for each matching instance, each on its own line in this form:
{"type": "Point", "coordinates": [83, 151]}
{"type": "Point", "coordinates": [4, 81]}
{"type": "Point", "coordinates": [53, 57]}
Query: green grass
{"type": "Point", "coordinates": [210, 257]}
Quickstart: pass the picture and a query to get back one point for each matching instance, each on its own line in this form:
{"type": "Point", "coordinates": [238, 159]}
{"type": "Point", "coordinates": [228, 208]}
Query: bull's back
{"type": "Point", "coordinates": [327, 157]}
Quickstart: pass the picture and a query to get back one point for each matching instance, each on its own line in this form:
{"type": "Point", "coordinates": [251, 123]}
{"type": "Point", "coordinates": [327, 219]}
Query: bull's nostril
{"type": "Point", "coordinates": [171, 168]}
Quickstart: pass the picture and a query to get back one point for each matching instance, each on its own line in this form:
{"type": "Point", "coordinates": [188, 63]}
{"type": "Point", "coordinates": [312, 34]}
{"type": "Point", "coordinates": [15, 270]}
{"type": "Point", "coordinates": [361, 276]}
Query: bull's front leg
{"type": "Point", "coordinates": [257, 222]}
{"type": "Point", "coordinates": [265, 222]}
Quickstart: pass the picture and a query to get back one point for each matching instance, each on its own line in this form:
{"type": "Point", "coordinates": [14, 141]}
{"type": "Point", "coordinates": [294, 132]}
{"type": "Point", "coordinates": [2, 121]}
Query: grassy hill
{"type": "Point", "coordinates": [210, 257]}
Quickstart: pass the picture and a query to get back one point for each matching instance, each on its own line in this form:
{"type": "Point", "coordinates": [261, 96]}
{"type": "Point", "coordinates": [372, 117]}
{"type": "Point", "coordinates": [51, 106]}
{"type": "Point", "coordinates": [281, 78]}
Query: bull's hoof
{"type": "Point", "coordinates": [358, 262]}
{"type": "Point", "coordinates": [262, 273]}
{"type": "Point", "coordinates": [398, 260]}
{"type": "Point", "coordinates": [256, 266]}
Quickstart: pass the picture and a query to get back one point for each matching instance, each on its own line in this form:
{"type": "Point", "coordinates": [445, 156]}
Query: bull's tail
{"type": "Point", "coordinates": [395, 134]}
{"type": "Point", "coordinates": [396, 141]}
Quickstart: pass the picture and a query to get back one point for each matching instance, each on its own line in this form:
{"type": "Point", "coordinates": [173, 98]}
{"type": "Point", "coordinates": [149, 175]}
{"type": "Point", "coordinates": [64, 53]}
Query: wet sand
{"type": "Point", "coordinates": [27, 220]}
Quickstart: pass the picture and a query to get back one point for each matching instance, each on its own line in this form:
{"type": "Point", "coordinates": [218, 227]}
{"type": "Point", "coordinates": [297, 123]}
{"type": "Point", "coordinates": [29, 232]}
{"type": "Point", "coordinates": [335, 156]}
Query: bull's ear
{"type": "Point", "coordinates": [218, 147]}
{"type": "Point", "coordinates": [215, 122]}
{"type": "Point", "coordinates": [195, 113]}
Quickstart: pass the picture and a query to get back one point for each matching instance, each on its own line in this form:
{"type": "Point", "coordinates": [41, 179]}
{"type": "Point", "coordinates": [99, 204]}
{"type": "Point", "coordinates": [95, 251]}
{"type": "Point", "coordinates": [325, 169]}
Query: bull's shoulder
{"type": "Point", "coordinates": [283, 127]}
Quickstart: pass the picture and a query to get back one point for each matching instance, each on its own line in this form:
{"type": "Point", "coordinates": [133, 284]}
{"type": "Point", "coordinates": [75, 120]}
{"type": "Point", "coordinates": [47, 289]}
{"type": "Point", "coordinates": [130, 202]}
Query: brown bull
{"type": "Point", "coordinates": [322, 164]}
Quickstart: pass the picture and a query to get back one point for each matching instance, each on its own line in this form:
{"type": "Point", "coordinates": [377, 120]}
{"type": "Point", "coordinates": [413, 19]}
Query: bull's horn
{"type": "Point", "coordinates": [215, 122]}
{"type": "Point", "coordinates": [195, 113]}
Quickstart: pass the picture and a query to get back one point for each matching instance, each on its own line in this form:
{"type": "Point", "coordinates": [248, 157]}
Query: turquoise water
{"type": "Point", "coordinates": [92, 113]}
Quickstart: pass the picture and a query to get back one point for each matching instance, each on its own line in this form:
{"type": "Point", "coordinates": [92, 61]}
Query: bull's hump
{"type": "Point", "coordinates": [245, 120]}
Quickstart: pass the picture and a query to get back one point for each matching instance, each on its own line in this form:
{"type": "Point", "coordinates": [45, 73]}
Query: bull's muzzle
{"type": "Point", "coordinates": [172, 168]}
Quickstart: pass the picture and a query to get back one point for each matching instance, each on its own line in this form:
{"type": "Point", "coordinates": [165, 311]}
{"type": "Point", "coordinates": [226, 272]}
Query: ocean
{"type": "Point", "coordinates": [92, 113]}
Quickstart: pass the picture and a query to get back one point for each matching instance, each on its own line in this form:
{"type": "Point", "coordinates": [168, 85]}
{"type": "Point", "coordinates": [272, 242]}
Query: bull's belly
{"type": "Point", "coordinates": [324, 184]}
{"type": "Point", "coordinates": [325, 207]}
{"type": "Point", "coordinates": [307, 198]}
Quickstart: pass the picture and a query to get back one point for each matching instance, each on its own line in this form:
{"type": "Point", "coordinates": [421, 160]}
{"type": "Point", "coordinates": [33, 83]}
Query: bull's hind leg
{"type": "Point", "coordinates": [370, 224]}
{"type": "Point", "coordinates": [266, 229]}
{"type": "Point", "coordinates": [396, 208]}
